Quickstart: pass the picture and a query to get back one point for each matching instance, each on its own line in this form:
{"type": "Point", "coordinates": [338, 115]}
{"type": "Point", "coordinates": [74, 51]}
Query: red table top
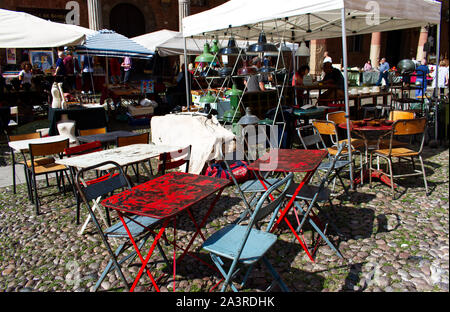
{"type": "Point", "coordinates": [165, 196]}
{"type": "Point", "coordinates": [366, 127]}
{"type": "Point", "coordinates": [289, 160]}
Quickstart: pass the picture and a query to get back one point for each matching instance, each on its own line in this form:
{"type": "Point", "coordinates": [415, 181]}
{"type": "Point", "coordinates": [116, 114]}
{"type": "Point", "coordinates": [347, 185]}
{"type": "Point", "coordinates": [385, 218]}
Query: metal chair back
{"type": "Point", "coordinates": [134, 139]}
{"type": "Point", "coordinates": [92, 131]}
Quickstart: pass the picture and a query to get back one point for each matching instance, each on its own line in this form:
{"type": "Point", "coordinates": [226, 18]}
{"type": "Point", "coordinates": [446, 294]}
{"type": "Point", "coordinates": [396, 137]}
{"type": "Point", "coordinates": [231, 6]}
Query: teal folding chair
{"type": "Point", "coordinates": [138, 226]}
{"type": "Point", "coordinates": [311, 195]}
{"type": "Point", "coordinates": [246, 245]}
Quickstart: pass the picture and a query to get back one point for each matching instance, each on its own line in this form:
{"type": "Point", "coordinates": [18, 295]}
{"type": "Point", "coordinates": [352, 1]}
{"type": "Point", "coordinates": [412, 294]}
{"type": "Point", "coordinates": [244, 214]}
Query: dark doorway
{"type": "Point", "coordinates": [127, 20]}
{"type": "Point", "coordinates": [394, 47]}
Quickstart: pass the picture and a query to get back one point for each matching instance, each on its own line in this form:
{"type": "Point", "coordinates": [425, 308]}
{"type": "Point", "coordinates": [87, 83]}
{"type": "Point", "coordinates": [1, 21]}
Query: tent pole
{"type": "Point", "coordinates": [106, 72]}
{"type": "Point", "coordinates": [436, 84]}
{"type": "Point", "coordinates": [347, 108]}
{"type": "Point", "coordinates": [186, 77]}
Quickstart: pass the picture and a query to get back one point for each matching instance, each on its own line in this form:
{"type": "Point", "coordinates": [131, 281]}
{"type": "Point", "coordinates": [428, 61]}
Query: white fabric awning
{"type": "Point", "coordinates": [168, 42]}
{"type": "Point", "coordinates": [294, 20]}
{"type": "Point", "coordinates": [22, 30]}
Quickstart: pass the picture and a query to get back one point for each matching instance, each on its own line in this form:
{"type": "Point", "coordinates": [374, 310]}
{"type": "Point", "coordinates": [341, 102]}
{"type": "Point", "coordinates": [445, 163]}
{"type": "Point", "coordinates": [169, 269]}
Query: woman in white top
{"type": "Point", "coordinates": [443, 76]}
{"type": "Point", "coordinates": [25, 75]}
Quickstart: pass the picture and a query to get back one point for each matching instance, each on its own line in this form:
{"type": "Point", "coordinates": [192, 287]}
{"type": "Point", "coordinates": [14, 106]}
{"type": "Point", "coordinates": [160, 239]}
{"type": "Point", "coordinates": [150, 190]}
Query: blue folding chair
{"type": "Point", "coordinates": [137, 225]}
{"type": "Point", "coordinates": [312, 195]}
{"type": "Point", "coordinates": [246, 245]}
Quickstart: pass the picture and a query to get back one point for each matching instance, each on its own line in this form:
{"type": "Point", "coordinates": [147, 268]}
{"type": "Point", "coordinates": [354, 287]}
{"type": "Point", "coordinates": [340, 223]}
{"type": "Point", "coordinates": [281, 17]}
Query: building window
{"type": "Point", "coordinates": [355, 43]}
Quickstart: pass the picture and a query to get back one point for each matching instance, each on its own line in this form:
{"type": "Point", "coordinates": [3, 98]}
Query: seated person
{"type": "Point", "coordinates": [297, 79]}
{"type": "Point", "coordinates": [333, 78]}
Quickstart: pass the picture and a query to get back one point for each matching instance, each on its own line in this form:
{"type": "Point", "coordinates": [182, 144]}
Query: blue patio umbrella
{"type": "Point", "coordinates": [111, 44]}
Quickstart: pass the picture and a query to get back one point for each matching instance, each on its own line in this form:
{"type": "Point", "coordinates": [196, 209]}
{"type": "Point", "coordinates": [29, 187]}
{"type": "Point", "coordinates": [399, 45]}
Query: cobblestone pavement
{"type": "Point", "coordinates": [390, 245]}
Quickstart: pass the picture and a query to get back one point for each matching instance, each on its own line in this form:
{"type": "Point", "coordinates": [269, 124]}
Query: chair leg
{"type": "Point", "coordinates": [424, 176]}
{"type": "Point", "coordinates": [36, 198]}
{"type": "Point", "coordinates": [370, 170]}
{"type": "Point", "coordinates": [13, 172]}
{"type": "Point", "coordinates": [28, 180]}
{"type": "Point", "coordinates": [391, 173]}
{"type": "Point", "coordinates": [275, 275]}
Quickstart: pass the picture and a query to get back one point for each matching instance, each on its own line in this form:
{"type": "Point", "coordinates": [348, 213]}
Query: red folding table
{"type": "Point", "coordinates": [289, 160]}
{"type": "Point", "coordinates": [164, 198]}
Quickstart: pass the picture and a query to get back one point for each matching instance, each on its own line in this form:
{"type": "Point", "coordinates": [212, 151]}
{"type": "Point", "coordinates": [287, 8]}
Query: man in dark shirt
{"type": "Point", "coordinates": [334, 79]}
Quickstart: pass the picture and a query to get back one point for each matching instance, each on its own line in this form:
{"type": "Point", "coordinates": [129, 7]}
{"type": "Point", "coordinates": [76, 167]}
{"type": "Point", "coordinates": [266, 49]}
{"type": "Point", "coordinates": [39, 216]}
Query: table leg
{"type": "Point", "coordinates": [205, 218]}
{"type": "Point", "coordinates": [286, 209]}
{"type": "Point", "coordinates": [152, 248]}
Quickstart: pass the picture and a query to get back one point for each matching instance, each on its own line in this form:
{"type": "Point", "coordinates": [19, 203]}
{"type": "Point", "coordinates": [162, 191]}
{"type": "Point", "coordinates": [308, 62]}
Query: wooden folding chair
{"type": "Point", "coordinates": [92, 131]}
{"type": "Point", "coordinates": [47, 165]}
{"type": "Point", "coordinates": [403, 127]}
{"type": "Point", "coordinates": [18, 137]}
{"type": "Point", "coordinates": [142, 138]}
{"type": "Point", "coordinates": [311, 139]}
{"type": "Point", "coordinates": [328, 128]}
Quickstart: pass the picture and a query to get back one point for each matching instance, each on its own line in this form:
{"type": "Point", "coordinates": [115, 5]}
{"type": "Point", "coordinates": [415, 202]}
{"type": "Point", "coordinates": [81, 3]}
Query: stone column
{"type": "Point", "coordinates": [375, 49]}
{"type": "Point", "coordinates": [316, 48]}
{"type": "Point", "coordinates": [422, 40]}
{"type": "Point", "coordinates": [184, 8]}
{"type": "Point", "coordinates": [94, 14]}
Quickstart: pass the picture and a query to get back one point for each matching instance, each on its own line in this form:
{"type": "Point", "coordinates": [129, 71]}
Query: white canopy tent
{"type": "Point", "coordinates": [22, 30]}
{"type": "Point", "coordinates": [296, 20]}
{"type": "Point", "coordinates": [292, 19]}
{"type": "Point", "coordinates": [168, 42]}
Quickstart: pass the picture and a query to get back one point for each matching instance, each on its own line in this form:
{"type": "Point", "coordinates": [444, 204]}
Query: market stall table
{"type": "Point", "coordinates": [164, 198]}
{"type": "Point", "coordinates": [306, 114]}
{"type": "Point", "coordinates": [105, 138]}
{"type": "Point", "coordinates": [118, 92]}
{"type": "Point", "coordinates": [289, 160]}
{"type": "Point", "coordinates": [370, 131]}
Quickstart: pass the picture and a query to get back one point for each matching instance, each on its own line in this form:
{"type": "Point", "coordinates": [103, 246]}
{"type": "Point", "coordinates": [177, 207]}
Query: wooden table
{"type": "Point", "coordinates": [164, 198]}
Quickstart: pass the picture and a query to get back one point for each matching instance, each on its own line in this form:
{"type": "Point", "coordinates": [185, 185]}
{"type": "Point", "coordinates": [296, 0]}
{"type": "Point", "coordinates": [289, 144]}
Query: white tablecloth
{"type": "Point", "coordinates": [206, 136]}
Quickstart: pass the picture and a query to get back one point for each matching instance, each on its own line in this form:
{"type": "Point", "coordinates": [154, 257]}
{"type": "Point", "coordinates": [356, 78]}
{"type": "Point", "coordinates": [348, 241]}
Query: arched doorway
{"type": "Point", "coordinates": [126, 19]}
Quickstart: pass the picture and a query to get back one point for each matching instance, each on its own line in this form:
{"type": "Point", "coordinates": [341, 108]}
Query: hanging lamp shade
{"type": "Point", "coordinates": [262, 45]}
{"type": "Point", "coordinates": [206, 56]}
{"type": "Point", "coordinates": [208, 98]}
{"type": "Point", "coordinates": [284, 47]}
{"type": "Point", "coordinates": [246, 70]}
{"type": "Point", "coordinates": [231, 48]}
{"type": "Point", "coordinates": [215, 47]}
{"type": "Point", "coordinates": [248, 118]}
{"type": "Point", "coordinates": [302, 50]}
{"type": "Point", "coordinates": [234, 91]}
